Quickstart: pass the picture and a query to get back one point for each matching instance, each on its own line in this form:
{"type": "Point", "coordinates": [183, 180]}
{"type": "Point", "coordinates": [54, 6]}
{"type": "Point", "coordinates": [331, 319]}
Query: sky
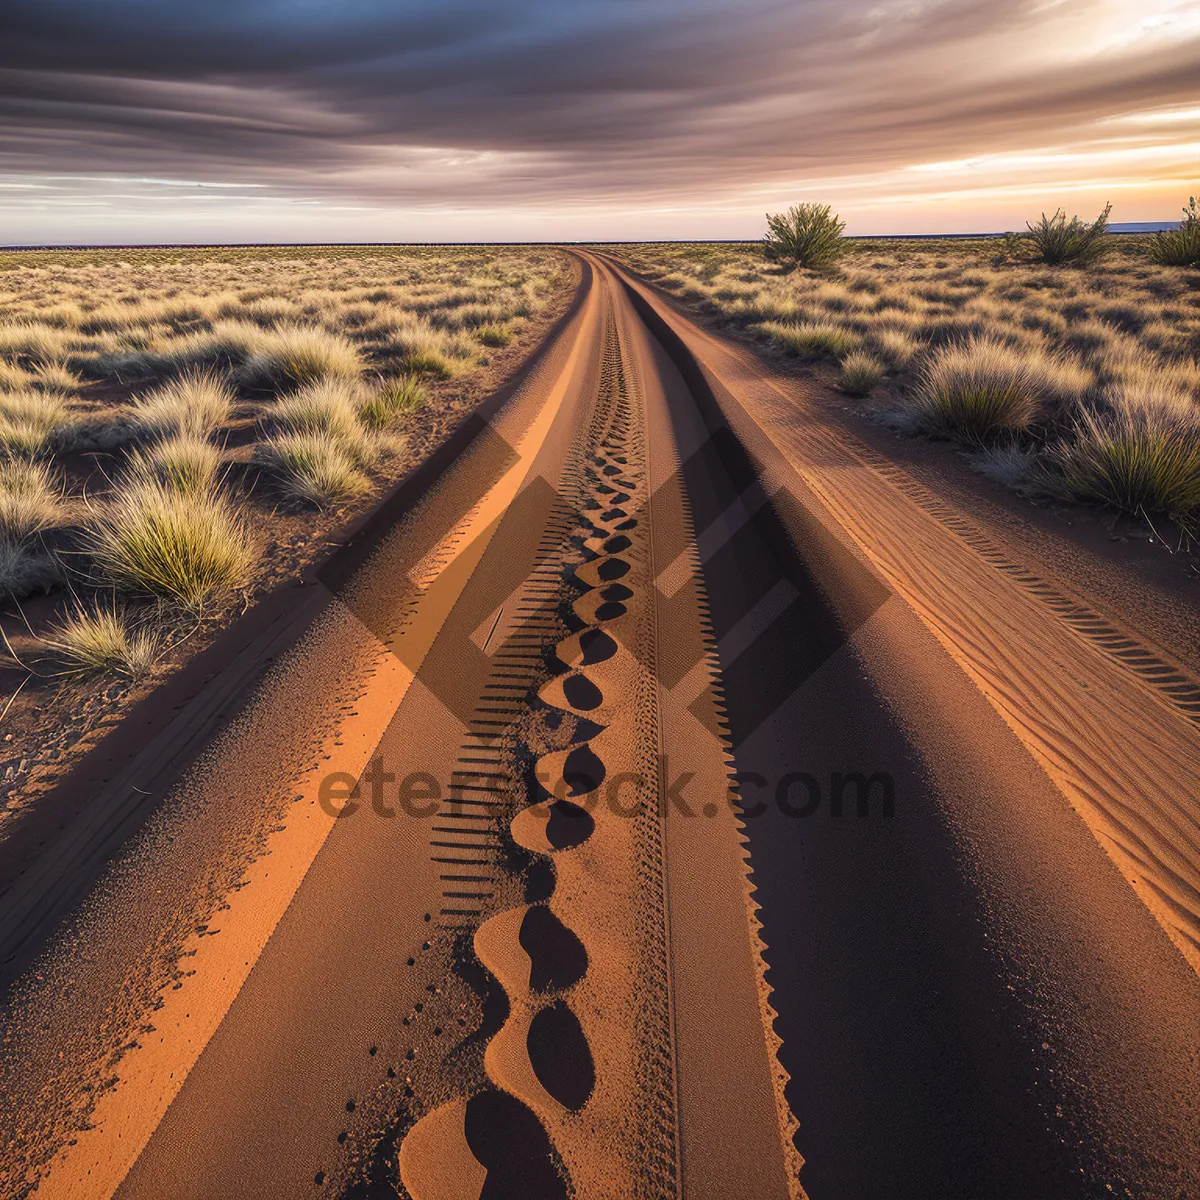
{"type": "Point", "coordinates": [555, 120]}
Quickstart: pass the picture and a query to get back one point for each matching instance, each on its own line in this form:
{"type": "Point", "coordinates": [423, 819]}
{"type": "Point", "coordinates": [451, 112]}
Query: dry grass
{"type": "Point", "coordinates": [185, 463]}
{"type": "Point", "coordinates": [31, 500]}
{"type": "Point", "coordinates": [389, 400]}
{"type": "Point", "coordinates": [192, 405]}
{"type": "Point", "coordinates": [153, 540]}
{"type": "Point", "coordinates": [32, 422]}
{"type": "Point", "coordinates": [88, 643]}
{"type": "Point", "coordinates": [861, 373]}
{"type": "Point", "coordinates": [169, 361]}
{"type": "Point", "coordinates": [312, 468]}
{"type": "Point", "coordinates": [295, 355]}
{"type": "Point", "coordinates": [1067, 370]}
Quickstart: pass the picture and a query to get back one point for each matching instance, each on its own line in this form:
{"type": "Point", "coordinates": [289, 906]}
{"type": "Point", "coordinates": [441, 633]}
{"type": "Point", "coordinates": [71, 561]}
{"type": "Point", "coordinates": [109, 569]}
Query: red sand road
{"type": "Point", "coordinates": [578, 969]}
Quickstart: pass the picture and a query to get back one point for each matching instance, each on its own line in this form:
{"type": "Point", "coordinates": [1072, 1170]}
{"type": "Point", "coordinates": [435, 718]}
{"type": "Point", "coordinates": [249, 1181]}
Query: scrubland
{"type": "Point", "coordinates": [1078, 381]}
{"type": "Point", "coordinates": [175, 422]}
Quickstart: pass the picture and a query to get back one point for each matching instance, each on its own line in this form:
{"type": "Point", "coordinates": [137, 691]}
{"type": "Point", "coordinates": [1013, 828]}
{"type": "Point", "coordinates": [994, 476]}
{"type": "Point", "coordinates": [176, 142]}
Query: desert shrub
{"type": "Point", "coordinates": [193, 405]}
{"type": "Point", "coordinates": [294, 355]}
{"type": "Point", "coordinates": [1057, 240]}
{"type": "Point", "coordinates": [31, 422]}
{"type": "Point", "coordinates": [807, 235]}
{"type": "Point", "coordinates": [812, 338]}
{"type": "Point", "coordinates": [153, 539]}
{"type": "Point", "coordinates": [185, 463]}
{"type": "Point", "coordinates": [977, 390]}
{"type": "Point", "coordinates": [1138, 459]}
{"type": "Point", "coordinates": [312, 468]}
{"type": "Point", "coordinates": [861, 373]}
{"type": "Point", "coordinates": [392, 398]}
{"type": "Point", "coordinates": [1179, 247]}
{"type": "Point", "coordinates": [30, 500]}
{"type": "Point", "coordinates": [86, 643]}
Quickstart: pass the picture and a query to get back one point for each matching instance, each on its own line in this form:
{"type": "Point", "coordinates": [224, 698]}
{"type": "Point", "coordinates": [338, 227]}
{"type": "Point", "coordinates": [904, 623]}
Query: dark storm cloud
{"type": "Point", "coordinates": [475, 101]}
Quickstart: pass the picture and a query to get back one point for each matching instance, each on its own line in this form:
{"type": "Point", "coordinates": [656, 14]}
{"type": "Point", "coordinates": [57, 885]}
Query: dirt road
{"type": "Point", "coordinates": [669, 797]}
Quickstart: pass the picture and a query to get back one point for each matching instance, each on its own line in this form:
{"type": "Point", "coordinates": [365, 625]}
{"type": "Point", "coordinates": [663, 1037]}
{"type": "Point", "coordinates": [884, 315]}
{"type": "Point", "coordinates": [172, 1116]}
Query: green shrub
{"type": "Point", "coordinates": [153, 539]}
{"type": "Point", "coordinates": [1179, 247]}
{"type": "Point", "coordinates": [807, 235]}
{"type": "Point", "coordinates": [1058, 240]}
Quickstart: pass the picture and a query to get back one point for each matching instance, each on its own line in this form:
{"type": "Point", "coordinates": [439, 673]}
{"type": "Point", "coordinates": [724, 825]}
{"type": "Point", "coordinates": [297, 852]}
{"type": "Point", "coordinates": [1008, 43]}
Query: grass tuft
{"type": "Point", "coordinates": [295, 355]}
{"type": "Point", "coordinates": [812, 338]}
{"type": "Point", "coordinates": [977, 390]}
{"type": "Point", "coordinates": [31, 422]}
{"type": "Point", "coordinates": [192, 406]}
{"type": "Point", "coordinates": [861, 373]}
{"type": "Point", "coordinates": [391, 399]}
{"type": "Point", "coordinates": [1141, 461]}
{"type": "Point", "coordinates": [312, 468]}
{"type": "Point", "coordinates": [494, 335]}
{"type": "Point", "coordinates": [88, 643]}
{"type": "Point", "coordinates": [153, 539]}
{"type": "Point", "coordinates": [328, 407]}
{"type": "Point", "coordinates": [30, 343]}
{"type": "Point", "coordinates": [185, 463]}
{"type": "Point", "coordinates": [30, 500]}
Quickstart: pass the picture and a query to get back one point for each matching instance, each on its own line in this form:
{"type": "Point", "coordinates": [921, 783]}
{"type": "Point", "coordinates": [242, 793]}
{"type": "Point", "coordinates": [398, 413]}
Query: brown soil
{"type": "Point", "coordinates": [943, 943]}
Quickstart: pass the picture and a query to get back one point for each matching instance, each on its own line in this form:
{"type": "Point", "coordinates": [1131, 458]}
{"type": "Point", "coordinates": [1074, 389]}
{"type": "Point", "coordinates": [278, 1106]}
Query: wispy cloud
{"type": "Point", "coordinates": [485, 115]}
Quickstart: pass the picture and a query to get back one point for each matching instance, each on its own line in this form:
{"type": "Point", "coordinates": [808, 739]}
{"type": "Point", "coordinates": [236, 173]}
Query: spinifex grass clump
{"type": "Point", "coordinates": [86, 643]}
{"type": "Point", "coordinates": [30, 500]}
{"type": "Point", "coordinates": [861, 373]}
{"type": "Point", "coordinates": [812, 338]}
{"type": "Point", "coordinates": [185, 463]}
{"type": "Point", "coordinates": [807, 235]}
{"type": "Point", "coordinates": [312, 468]}
{"type": "Point", "coordinates": [31, 422]}
{"type": "Point", "coordinates": [193, 405]}
{"type": "Point", "coordinates": [978, 390]}
{"type": "Point", "coordinates": [1142, 460]}
{"type": "Point", "coordinates": [1179, 247]}
{"type": "Point", "coordinates": [1057, 240]}
{"type": "Point", "coordinates": [295, 355]}
{"type": "Point", "coordinates": [390, 399]}
{"type": "Point", "coordinates": [153, 539]}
